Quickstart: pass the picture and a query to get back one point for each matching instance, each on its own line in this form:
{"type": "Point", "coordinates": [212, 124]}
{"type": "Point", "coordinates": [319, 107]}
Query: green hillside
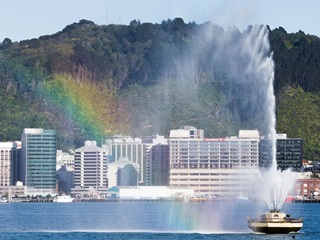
{"type": "Point", "coordinates": [90, 81]}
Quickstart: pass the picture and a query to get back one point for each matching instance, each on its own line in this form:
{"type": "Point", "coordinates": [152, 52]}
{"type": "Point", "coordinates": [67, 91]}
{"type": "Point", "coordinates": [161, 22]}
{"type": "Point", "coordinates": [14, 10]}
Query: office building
{"type": "Point", "coordinates": [288, 154]}
{"type": "Point", "coordinates": [127, 147]}
{"type": "Point", "coordinates": [213, 167]}
{"type": "Point", "coordinates": [90, 168]}
{"type": "Point", "coordinates": [38, 165]}
{"type": "Point", "coordinates": [157, 164]}
{"type": "Point", "coordinates": [9, 160]}
{"type": "Point", "coordinates": [123, 173]}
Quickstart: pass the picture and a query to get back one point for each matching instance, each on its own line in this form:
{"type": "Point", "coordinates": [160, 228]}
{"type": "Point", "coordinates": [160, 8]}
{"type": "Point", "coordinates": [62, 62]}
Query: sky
{"type": "Point", "coordinates": [27, 19]}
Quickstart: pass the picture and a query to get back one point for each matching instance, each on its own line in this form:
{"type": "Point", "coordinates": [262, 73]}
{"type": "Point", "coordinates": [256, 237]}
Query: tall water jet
{"type": "Point", "coordinates": [276, 185]}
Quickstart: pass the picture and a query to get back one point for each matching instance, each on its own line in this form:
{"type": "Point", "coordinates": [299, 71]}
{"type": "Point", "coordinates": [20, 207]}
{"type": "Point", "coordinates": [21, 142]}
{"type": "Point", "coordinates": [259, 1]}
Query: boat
{"type": "Point", "coordinates": [3, 200]}
{"type": "Point", "coordinates": [242, 197]}
{"type": "Point", "coordinates": [63, 199]}
{"type": "Point", "coordinates": [289, 199]}
{"type": "Point", "coordinates": [275, 222]}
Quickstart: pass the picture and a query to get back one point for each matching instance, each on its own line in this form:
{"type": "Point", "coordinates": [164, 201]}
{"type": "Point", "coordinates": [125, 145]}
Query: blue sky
{"type": "Point", "coordinates": [26, 19]}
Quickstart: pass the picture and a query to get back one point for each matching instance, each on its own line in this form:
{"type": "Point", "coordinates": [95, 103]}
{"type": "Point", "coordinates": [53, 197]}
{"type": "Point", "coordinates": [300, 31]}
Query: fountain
{"type": "Point", "coordinates": [274, 183]}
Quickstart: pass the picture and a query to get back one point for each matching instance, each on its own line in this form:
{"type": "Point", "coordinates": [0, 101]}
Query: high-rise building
{"type": "Point", "coordinates": [123, 173]}
{"type": "Point", "coordinates": [38, 165]}
{"type": "Point", "coordinates": [16, 163]}
{"type": "Point", "coordinates": [126, 147]}
{"type": "Point", "coordinates": [288, 153]}
{"type": "Point", "coordinates": [9, 158]}
{"type": "Point", "coordinates": [265, 152]}
{"type": "Point", "coordinates": [157, 164]}
{"type": "Point", "coordinates": [223, 166]}
{"type": "Point", "coordinates": [90, 167]}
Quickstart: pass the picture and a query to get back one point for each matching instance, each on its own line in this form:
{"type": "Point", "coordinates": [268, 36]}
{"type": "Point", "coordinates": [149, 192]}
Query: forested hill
{"type": "Point", "coordinates": [90, 81]}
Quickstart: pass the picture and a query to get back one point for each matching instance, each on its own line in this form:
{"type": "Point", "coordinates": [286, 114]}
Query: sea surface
{"type": "Point", "coordinates": [146, 220]}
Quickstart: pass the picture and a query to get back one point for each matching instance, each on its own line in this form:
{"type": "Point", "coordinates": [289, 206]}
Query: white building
{"type": "Point", "coordinates": [223, 166]}
{"type": "Point", "coordinates": [90, 167]}
{"type": "Point", "coordinates": [127, 147]}
{"type": "Point", "coordinates": [64, 159]}
{"type": "Point", "coordinates": [123, 173]}
{"type": "Point", "coordinates": [151, 193]}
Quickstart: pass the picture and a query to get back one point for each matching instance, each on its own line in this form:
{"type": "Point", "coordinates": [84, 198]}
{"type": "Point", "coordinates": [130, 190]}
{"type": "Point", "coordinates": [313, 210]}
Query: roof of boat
{"type": "Point", "coordinates": [274, 215]}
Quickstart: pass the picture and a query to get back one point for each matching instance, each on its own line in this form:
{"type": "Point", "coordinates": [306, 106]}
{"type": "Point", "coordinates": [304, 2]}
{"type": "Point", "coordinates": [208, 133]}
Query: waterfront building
{"type": "Point", "coordinates": [9, 161]}
{"type": "Point", "coordinates": [123, 173]}
{"type": "Point", "coordinates": [126, 147]}
{"type": "Point", "coordinates": [156, 193]}
{"type": "Point", "coordinates": [38, 165]}
{"type": "Point", "coordinates": [288, 154]}
{"type": "Point", "coordinates": [306, 186]}
{"type": "Point", "coordinates": [90, 168]}
{"type": "Point", "coordinates": [213, 167]}
{"type": "Point", "coordinates": [157, 164]}
{"type": "Point", "coordinates": [13, 191]}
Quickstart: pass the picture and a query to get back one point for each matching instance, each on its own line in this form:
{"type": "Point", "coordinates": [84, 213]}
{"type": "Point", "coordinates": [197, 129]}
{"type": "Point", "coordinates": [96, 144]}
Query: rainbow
{"type": "Point", "coordinates": [87, 107]}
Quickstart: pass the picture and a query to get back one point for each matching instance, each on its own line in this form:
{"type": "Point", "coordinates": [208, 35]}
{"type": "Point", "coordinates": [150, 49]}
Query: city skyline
{"type": "Point", "coordinates": [158, 161]}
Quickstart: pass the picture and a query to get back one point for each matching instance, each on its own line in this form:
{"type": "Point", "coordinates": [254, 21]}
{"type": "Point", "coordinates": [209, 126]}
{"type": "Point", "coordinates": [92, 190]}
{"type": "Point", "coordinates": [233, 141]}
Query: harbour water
{"type": "Point", "coordinates": [145, 220]}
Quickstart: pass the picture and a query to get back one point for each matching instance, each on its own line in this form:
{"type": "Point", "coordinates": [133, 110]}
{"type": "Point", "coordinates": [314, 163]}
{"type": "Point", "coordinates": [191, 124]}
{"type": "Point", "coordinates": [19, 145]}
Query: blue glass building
{"type": "Point", "coordinates": [38, 166]}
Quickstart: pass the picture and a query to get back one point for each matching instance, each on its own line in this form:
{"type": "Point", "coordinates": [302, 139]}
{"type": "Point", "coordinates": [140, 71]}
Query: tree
{"type": "Point", "coordinates": [6, 43]}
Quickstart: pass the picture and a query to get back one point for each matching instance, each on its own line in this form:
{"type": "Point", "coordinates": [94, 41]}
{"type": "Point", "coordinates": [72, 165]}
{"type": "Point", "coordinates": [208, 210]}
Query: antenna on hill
{"type": "Point", "coordinates": [107, 17]}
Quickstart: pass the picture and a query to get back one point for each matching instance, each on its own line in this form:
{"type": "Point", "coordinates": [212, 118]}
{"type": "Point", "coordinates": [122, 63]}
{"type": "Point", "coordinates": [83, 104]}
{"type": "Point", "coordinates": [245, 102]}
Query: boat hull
{"type": "Point", "coordinates": [275, 228]}
{"type": "Point", "coordinates": [63, 199]}
{"type": "Point", "coordinates": [275, 222]}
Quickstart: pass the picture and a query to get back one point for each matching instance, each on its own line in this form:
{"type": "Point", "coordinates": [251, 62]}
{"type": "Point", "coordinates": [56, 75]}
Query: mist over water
{"type": "Point", "coordinates": [276, 185]}
{"type": "Point", "coordinates": [242, 64]}
{"type": "Point", "coordinates": [220, 80]}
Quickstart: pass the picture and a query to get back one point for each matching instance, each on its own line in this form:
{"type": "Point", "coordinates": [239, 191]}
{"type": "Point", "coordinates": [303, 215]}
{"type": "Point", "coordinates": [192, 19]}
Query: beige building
{"type": "Point", "coordinates": [213, 167]}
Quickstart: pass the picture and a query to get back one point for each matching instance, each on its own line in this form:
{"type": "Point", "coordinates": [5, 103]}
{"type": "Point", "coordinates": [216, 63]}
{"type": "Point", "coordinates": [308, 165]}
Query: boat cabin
{"type": "Point", "coordinates": [274, 216]}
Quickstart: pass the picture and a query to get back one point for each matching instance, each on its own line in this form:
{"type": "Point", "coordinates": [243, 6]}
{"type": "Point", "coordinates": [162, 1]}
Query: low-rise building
{"type": "Point", "coordinates": [307, 186]}
{"type": "Point", "coordinates": [150, 193]}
